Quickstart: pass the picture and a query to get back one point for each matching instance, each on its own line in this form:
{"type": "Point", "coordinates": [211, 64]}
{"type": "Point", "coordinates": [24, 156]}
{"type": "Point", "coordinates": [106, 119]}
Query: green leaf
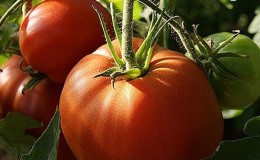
{"type": "Point", "coordinates": [46, 146]}
{"type": "Point", "coordinates": [252, 127]}
{"type": "Point", "coordinates": [12, 133]}
{"type": "Point", "coordinates": [3, 59]}
{"type": "Point", "coordinates": [243, 149]}
{"type": "Point", "coordinates": [254, 27]}
{"type": "Point", "coordinates": [227, 4]}
{"type": "Point", "coordinates": [119, 5]}
{"type": "Point", "coordinates": [36, 2]}
{"type": "Point", "coordinates": [230, 113]}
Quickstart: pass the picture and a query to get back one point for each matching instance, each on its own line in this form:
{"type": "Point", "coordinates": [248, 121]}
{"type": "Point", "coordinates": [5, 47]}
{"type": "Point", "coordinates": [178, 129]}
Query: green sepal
{"type": "Point", "coordinates": [115, 25]}
{"type": "Point", "coordinates": [230, 54]}
{"type": "Point", "coordinates": [225, 43]}
{"type": "Point", "coordinates": [115, 56]}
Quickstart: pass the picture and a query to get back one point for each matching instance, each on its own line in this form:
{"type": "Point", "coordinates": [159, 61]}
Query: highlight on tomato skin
{"type": "Point", "coordinates": [169, 113]}
{"type": "Point", "coordinates": [55, 35]}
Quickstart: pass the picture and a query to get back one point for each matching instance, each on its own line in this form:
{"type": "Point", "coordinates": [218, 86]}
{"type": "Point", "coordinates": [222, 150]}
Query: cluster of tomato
{"type": "Point", "coordinates": [53, 37]}
{"type": "Point", "coordinates": [170, 113]}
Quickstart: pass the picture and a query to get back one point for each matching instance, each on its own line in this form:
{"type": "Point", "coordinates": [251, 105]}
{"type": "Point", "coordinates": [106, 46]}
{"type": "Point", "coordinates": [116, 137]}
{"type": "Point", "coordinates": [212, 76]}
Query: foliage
{"type": "Point", "coordinates": [242, 149]}
{"type": "Point", "coordinates": [12, 130]}
{"type": "Point", "coordinates": [254, 27]}
{"type": "Point", "coordinates": [45, 148]}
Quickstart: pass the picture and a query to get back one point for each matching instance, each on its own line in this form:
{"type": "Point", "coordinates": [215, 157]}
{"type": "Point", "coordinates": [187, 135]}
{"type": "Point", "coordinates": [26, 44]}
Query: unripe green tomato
{"type": "Point", "coordinates": [241, 91]}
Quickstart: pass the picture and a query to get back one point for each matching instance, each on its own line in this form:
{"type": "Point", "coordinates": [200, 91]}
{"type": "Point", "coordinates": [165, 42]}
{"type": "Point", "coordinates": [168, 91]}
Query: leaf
{"type": "Point", "coordinates": [119, 5]}
{"type": "Point", "coordinates": [254, 27]}
{"type": "Point", "coordinates": [12, 133]}
{"type": "Point", "coordinates": [3, 59]}
{"type": "Point", "coordinates": [46, 146]}
{"type": "Point", "coordinates": [242, 149]}
{"type": "Point", "coordinates": [227, 4]}
{"type": "Point", "coordinates": [36, 2]}
{"type": "Point", "coordinates": [252, 127]}
{"type": "Point", "coordinates": [230, 113]}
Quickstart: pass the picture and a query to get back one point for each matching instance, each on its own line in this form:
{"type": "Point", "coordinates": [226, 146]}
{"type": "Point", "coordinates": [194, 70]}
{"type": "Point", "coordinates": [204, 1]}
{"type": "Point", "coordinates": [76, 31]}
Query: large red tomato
{"type": "Point", "coordinates": [171, 113]}
{"type": "Point", "coordinates": [40, 103]}
{"type": "Point", "coordinates": [56, 34]}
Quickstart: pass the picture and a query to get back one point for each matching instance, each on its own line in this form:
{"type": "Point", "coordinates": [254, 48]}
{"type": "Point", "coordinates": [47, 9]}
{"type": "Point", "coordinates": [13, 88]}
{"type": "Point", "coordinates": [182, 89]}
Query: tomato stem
{"type": "Point", "coordinates": [11, 10]}
{"type": "Point", "coordinates": [131, 65]}
{"type": "Point", "coordinates": [26, 6]}
{"type": "Point", "coordinates": [127, 33]}
{"type": "Point", "coordinates": [177, 27]}
{"type": "Point", "coordinates": [167, 5]}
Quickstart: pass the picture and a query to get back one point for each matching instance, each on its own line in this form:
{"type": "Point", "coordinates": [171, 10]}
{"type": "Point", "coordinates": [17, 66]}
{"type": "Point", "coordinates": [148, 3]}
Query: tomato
{"type": "Point", "coordinates": [56, 34]}
{"type": "Point", "coordinates": [10, 79]}
{"type": "Point", "coordinates": [170, 113]}
{"type": "Point", "coordinates": [39, 103]}
{"type": "Point", "coordinates": [240, 92]}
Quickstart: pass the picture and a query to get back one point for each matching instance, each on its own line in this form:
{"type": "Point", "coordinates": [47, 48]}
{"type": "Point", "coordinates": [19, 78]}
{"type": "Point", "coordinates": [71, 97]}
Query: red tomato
{"type": "Point", "coordinates": [171, 113]}
{"type": "Point", "coordinates": [40, 103]}
{"type": "Point", "coordinates": [55, 35]}
{"type": "Point", "coordinates": [10, 79]}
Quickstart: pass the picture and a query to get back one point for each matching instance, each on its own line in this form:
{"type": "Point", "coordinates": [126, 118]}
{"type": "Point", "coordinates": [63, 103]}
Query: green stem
{"type": "Point", "coordinates": [127, 34]}
{"type": "Point", "coordinates": [11, 10]}
{"type": "Point", "coordinates": [166, 5]}
{"type": "Point", "coordinates": [182, 33]}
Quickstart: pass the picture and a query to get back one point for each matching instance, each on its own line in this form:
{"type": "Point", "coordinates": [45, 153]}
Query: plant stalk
{"type": "Point", "coordinates": [180, 31]}
{"type": "Point", "coordinates": [127, 34]}
{"type": "Point", "coordinates": [11, 10]}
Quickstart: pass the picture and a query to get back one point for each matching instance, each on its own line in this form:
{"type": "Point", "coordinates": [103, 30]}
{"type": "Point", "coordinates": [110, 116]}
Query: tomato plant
{"type": "Point", "coordinates": [140, 102]}
{"type": "Point", "coordinates": [55, 35]}
{"type": "Point", "coordinates": [40, 103]}
{"type": "Point", "coordinates": [170, 113]}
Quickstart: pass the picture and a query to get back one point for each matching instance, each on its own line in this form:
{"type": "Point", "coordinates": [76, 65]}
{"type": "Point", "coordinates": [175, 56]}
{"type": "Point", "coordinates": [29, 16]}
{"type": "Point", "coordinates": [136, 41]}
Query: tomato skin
{"type": "Point", "coordinates": [40, 103]}
{"type": "Point", "coordinates": [170, 113]}
{"type": "Point", "coordinates": [10, 79]}
{"type": "Point", "coordinates": [55, 35]}
{"type": "Point", "coordinates": [241, 92]}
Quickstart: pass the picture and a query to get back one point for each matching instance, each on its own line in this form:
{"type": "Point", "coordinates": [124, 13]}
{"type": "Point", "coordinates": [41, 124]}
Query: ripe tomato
{"type": "Point", "coordinates": [170, 113]}
{"type": "Point", "coordinates": [40, 103]}
{"type": "Point", "coordinates": [55, 35]}
{"type": "Point", "coordinates": [10, 79]}
{"type": "Point", "coordinates": [240, 92]}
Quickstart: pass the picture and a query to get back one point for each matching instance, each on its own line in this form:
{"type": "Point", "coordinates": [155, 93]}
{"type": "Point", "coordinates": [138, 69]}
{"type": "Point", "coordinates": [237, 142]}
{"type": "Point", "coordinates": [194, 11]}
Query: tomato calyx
{"type": "Point", "coordinates": [36, 76]}
{"type": "Point", "coordinates": [208, 57]}
{"type": "Point", "coordinates": [132, 64]}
